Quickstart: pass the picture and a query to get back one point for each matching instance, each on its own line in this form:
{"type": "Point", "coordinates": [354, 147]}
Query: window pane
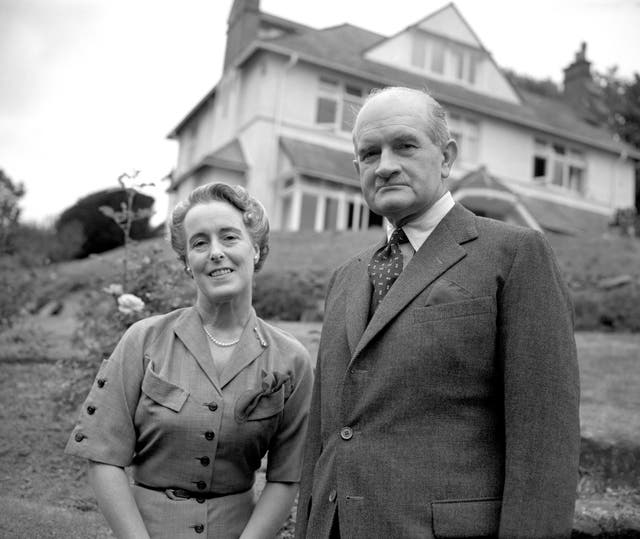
{"type": "Point", "coordinates": [473, 69]}
{"type": "Point", "coordinates": [576, 179]}
{"type": "Point", "coordinates": [328, 85]}
{"type": "Point", "coordinates": [418, 51]}
{"type": "Point", "coordinates": [557, 173]}
{"type": "Point", "coordinates": [539, 167]}
{"type": "Point", "coordinates": [353, 90]}
{"type": "Point", "coordinates": [326, 113]}
{"type": "Point", "coordinates": [331, 214]}
{"type": "Point", "coordinates": [437, 57]}
{"type": "Point", "coordinates": [457, 65]}
{"type": "Point", "coordinates": [286, 213]}
{"type": "Point", "coordinates": [308, 212]}
{"type": "Point", "coordinates": [560, 150]}
{"type": "Point", "coordinates": [349, 112]}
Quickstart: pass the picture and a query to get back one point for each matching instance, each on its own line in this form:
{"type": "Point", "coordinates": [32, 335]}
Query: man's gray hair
{"type": "Point", "coordinates": [437, 130]}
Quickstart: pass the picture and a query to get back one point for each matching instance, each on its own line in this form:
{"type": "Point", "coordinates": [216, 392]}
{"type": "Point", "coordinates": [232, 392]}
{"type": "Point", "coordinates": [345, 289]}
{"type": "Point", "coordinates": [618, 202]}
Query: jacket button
{"type": "Point", "coordinates": [209, 435]}
{"type": "Point", "coordinates": [101, 382]}
{"type": "Point", "coordinates": [346, 433]}
{"type": "Point", "coordinates": [205, 461]}
{"type": "Point", "coordinates": [91, 410]}
{"type": "Point", "coordinates": [79, 437]}
{"type": "Point", "coordinates": [198, 528]}
{"type": "Point", "coordinates": [212, 406]}
{"type": "Point", "coordinates": [332, 496]}
{"type": "Point", "coordinates": [201, 485]}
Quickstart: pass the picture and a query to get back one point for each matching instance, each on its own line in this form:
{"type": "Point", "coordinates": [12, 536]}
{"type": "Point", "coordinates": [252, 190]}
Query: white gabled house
{"type": "Point", "coordinates": [279, 122]}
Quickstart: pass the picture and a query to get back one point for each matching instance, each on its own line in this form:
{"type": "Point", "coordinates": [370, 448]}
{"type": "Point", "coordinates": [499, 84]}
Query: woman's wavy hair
{"type": "Point", "coordinates": [253, 216]}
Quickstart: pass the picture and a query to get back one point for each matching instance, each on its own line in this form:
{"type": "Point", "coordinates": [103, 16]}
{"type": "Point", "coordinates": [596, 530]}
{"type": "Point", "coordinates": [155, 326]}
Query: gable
{"type": "Point", "coordinates": [449, 23]}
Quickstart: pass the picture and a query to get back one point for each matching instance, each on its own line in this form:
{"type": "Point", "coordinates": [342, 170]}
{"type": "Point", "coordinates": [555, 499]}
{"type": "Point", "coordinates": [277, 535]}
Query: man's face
{"type": "Point", "coordinates": [401, 169]}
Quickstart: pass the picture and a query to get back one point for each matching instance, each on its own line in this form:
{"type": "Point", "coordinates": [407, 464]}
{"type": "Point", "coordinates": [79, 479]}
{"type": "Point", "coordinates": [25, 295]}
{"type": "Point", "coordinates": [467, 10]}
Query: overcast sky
{"type": "Point", "coordinates": [90, 88]}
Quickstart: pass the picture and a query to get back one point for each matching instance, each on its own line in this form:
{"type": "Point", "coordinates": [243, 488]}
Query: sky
{"type": "Point", "coordinates": [89, 89]}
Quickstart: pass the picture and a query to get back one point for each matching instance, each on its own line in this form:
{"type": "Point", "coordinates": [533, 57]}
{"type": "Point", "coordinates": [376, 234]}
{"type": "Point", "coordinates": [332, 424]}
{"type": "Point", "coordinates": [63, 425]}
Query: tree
{"type": "Point", "coordinates": [10, 195]}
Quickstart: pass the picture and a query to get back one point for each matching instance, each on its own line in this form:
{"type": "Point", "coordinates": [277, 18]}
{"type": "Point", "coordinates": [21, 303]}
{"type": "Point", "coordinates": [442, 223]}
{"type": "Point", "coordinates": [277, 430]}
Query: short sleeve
{"type": "Point", "coordinates": [105, 430]}
{"type": "Point", "coordinates": [284, 459]}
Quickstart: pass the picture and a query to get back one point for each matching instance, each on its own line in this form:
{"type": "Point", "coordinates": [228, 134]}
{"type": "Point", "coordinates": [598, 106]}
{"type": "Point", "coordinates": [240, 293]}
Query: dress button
{"type": "Point", "coordinates": [79, 437]}
{"type": "Point", "coordinates": [209, 435]}
{"type": "Point", "coordinates": [200, 500]}
{"type": "Point", "coordinates": [201, 485]}
{"type": "Point", "coordinates": [205, 461]}
{"type": "Point", "coordinates": [212, 406]}
{"type": "Point", "coordinates": [332, 496]}
{"type": "Point", "coordinates": [91, 410]}
{"type": "Point", "coordinates": [101, 382]}
{"type": "Point", "coordinates": [346, 433]}
{"type": "Point", "coordinates": [198, 528]}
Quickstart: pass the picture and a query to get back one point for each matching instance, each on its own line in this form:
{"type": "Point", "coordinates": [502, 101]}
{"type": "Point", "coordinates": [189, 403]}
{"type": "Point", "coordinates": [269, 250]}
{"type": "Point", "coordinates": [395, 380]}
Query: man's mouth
{"type": "Point", "coordinates": [219, 272]}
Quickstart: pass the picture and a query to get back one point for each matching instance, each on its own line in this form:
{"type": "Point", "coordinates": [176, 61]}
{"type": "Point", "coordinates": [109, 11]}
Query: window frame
{"type": "Point", "coordinates": [559, 161]}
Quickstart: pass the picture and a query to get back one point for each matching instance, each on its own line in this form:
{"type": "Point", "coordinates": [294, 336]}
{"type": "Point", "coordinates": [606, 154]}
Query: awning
{"type": "Point", "coordinates": [318, 161]}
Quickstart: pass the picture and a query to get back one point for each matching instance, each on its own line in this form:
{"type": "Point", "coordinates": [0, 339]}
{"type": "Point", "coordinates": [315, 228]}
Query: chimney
{"type": "Point", "coordinates": [580, 91]}
{"type": "Point", "coordinates": [242, 28]}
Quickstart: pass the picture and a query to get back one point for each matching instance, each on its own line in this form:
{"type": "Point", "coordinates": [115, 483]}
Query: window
{"type": "Point", "coordinates": [308, 212]}
{"type": "Point", "coordinates": [331, 214]}
{"type": "Point", "coordinates": [338, 103]}
{"type": "Point", "coordinates": [445, 58]}
{"type": "Point", "coordinates": [558, 165]}
{"type": "Point", "coordinates": [465, 131]}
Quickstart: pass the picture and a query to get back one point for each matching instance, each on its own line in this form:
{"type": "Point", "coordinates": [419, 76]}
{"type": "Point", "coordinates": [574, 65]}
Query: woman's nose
{"type": "Point", "coordinates": [216, 254]}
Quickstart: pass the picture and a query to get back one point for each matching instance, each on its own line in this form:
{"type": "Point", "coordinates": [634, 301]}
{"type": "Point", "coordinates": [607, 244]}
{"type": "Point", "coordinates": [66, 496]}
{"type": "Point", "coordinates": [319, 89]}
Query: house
{"type": "Point", "coordinates": [279, 122]}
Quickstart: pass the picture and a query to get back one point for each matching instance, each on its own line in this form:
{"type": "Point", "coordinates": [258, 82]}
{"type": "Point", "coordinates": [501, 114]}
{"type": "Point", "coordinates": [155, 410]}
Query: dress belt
{"type": "Point", "coordinates": [181, 493]}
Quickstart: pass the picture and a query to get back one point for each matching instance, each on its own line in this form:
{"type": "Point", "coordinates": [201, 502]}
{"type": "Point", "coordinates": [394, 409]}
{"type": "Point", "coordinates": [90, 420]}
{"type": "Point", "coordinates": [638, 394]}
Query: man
{"type": "Point", "coordinates": [447, 407]}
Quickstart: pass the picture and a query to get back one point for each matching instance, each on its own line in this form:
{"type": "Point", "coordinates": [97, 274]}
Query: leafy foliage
{"type": "Point", "coordinates": [10, 195]}
{"type": "Point", "coordinates": [85, 226]}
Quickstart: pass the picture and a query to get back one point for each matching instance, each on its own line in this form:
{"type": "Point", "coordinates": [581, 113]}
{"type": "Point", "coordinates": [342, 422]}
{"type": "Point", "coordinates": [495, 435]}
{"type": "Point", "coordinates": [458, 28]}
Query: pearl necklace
{"type": "Point", "coordinates": [220, 343]}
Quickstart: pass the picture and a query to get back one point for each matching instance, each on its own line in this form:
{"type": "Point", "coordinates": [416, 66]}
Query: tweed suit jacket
{"type": "Point", "coordinates": [453, 412]}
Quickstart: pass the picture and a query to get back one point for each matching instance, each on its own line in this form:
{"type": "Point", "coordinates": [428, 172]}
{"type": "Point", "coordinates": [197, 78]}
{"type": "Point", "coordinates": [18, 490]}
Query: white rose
{"type": "Point", "coordinates": [128, 303]}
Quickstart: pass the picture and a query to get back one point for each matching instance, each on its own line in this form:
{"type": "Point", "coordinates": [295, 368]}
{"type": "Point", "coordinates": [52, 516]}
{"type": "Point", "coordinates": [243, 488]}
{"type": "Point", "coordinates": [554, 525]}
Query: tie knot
{"type": "Point", "coordinates": [397, 237]}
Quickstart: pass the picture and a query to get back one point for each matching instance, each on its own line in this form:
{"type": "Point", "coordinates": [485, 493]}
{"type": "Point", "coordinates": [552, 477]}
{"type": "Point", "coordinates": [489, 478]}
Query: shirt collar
{"type": "Point", "coordinates": [420, 229]}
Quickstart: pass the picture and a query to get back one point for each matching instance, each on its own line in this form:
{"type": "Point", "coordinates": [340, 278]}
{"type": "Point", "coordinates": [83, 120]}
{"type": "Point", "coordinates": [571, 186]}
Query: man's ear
{"type": "Point", "coordinates": [357, 166]}
{"type": "Point", "coordinates": [449, 155]}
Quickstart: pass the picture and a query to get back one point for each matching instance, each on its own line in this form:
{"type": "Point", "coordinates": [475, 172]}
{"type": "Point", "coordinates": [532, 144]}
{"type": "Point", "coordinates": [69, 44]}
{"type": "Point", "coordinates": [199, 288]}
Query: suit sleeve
{"type": "Point", "coordinates": [312, 448]}
{"type": "Point", "coordinates": [541, 395]}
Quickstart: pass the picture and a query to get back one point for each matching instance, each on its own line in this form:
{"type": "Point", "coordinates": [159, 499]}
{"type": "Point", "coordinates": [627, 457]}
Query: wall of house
{"type": "Point", "coordinates": [506, 150]}
{"type": "Point", "coordinates": [610, 180]}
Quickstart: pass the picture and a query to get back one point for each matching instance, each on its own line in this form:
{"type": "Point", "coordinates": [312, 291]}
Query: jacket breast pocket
{"type": "Point", "coordinates": [466, 518]}
{"type": "Point", "coordinates": [456, 309]}
{"type": "Point", "coordinates": [163, 392]}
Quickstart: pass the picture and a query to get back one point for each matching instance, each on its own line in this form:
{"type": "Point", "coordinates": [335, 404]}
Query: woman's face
{"type": "Point", "coordinates": [220, 252]}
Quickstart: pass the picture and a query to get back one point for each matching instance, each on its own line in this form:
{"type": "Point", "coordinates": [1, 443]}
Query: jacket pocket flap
{"type": "Point", "coordinates": [466, 518]}
{"type": "Point", "coordinates": [266, 405]}
{"type": "Point", "coordinates": [162, 391]}
{"type": "Point", "coordinates": [456, 309]}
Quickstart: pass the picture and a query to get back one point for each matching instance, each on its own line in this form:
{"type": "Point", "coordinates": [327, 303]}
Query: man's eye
{"type": "Point", "coordinates": [367, 156]}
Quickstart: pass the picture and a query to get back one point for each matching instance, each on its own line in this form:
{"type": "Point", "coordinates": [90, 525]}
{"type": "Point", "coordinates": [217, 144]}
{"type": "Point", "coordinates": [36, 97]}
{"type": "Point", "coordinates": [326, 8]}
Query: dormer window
{"type": "Point", "coordinates": [445, 58]}
{"type": "Point", "coordinates": [557, 165]}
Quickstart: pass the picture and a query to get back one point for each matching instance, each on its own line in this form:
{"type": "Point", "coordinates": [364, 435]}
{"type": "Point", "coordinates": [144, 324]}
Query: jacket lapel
{"type": "Point", "coordinates": [189, 330]}
{"type": "Point", "coordinates": [438, 253]}
{"type": "Point", "coordinates": [358, 297]}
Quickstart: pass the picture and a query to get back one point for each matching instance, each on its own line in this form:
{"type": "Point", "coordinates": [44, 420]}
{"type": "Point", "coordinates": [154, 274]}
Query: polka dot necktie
{"type": "Point", "coordinates": [386, 266]}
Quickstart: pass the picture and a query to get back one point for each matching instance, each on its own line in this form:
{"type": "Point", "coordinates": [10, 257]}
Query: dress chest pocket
{"type": "Point", "coordinates": [163, 392]}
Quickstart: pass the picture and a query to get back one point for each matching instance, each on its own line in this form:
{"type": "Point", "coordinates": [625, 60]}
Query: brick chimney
{"type": "Point", "coordinates": [242, 28]}
{"type": "Point", "coordinates": [580, 90]}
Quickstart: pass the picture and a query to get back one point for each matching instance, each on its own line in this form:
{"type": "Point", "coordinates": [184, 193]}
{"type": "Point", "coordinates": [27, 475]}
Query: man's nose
{"type": "Point", "coordinates": [388, 165]}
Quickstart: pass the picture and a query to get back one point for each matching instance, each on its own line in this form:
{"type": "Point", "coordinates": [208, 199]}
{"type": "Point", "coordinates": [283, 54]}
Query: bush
{"type": "Point", "coordinates": [292, 295]}
{"type": "Point", "coordinates": [608, 310]}
{"type": "Point", "coordinates": [16, 287]}
{"type": "Point", "coordinates": [91, 231]}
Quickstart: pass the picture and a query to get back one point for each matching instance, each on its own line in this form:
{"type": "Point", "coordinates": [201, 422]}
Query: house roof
{"type": "Point", "coordinates": [229, 157]}
{"type": "Point", "coordinates": [320, 162]}
{"type": "Point", "coordinates": [550, 215]}
{"type": "Point", "coordinates": [341, 48]}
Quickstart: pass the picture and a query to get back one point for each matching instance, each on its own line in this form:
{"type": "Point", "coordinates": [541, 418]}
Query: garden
{"type": "Point", "coordinates": [61, 318]}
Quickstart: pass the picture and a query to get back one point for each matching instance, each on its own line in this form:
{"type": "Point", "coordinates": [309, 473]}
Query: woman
{"type": "Point", "coordinates": [193, 399]}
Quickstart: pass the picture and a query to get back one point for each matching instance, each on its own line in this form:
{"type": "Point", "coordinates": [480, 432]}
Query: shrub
{"type": "Point", "coordinates": [16, 286]}
{"type": "Point", "coordinates": [99, 231]}
{"type": "Point", "coordinates": [617, 309]}
{"type": "Point", "coordinates": [292, 295]}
